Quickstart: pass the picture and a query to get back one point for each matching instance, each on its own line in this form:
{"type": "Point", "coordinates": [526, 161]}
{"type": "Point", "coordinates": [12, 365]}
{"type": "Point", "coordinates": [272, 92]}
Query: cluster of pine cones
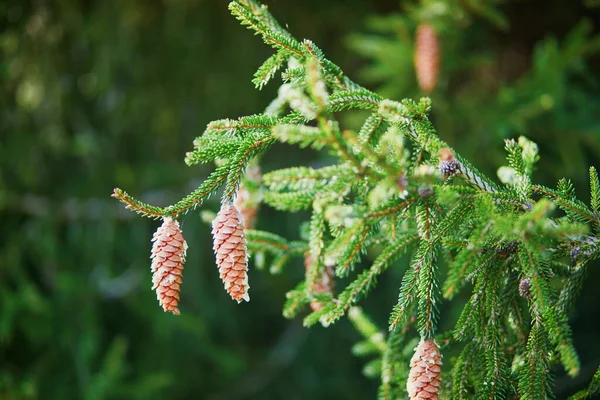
{"type": "Point", "coordinates": [168, 257]}
{"type": "Point", "coordinates": [229, 244]}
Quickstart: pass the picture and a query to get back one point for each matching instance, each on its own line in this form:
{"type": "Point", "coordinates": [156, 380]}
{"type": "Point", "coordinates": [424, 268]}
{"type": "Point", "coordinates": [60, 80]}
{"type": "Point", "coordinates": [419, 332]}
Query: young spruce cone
{"type": "Point", "coordinates": [425, 370]}
{"type": "Point", "coordinates": [449, 165]}
{"type": "Point", "coordinates": [324, 284]}
{"type": "Point", "coordinates": [229, 245]}
{"type": "Point", "coordinates": [427, 53]}
{"type": "Point", "coordinates": [168, 257]}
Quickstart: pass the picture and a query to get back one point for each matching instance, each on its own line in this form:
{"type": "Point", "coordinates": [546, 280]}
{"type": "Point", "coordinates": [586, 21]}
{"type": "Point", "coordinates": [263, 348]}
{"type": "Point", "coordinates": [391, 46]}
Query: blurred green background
{"type": "Point", "coordinates": [99, 94]}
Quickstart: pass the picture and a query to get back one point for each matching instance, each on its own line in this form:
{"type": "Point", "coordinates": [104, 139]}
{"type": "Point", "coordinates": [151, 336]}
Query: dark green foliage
{"type": "Point", "coordinates": [534, 367]}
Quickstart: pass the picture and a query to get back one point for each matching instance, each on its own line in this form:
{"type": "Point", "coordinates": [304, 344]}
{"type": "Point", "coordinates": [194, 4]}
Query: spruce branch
{"type": "Point", "coordinates": [345, 250]}
{"type": "Point", "coordinates": [390, 185]}
{"type": "Point", "coordinates": [337, 143]}
{"type": "Point", "coordinates": [204, 191]}
{"type": "Point", "coordinates": [139, 207]}
{"type": "Point", "coordinates": [559, 333]}
{"type": "Point", "coordinates": [261, 13]}
{"type": "Point", "coordinates": [332, 71]}
{"type": "Point", "coordinates": [194, 199]}
{"type": "Point", "coordinates": [379, 162]}
{"type": "Point", "coordinates": [262, 24]}
{"type": "Point", "coordinates": [411, 118]}
{"type": "Point", "coordinates": [496, 365]}
{"type": "Point", "coordinates": [461, 385]}
{"type": "Point", "coordinates": [259, 123]}
{"type": "Point", "coordinates": [390, 208]}
{"type": "Point", "coordinates": [574, 208]}
{"type": "Point", "coordinates": [372, 129]}
{"type": "Point", "coordinates": [316, 244]}
{"type": "Point", "coordinates": [427, 291]}
{"type": "Point", "coordinates": [304, 178]}
{"type": "Point", "coordinates": [294, 76]}
{"type": "Point", "coordinates": [464, 267]}
{"type": "Point", "coordinates": [402, 310]}
{"type": "Point", "coordinates": [534, 376]}
{"type": "Point", "coordinates": [279, 247]}
{"type": "Point", "coordinates": [533, 266]}
{"type": "Point", "coordinates": [594, 190]}
{"type": "Point", "coordinates": [290, 201]}
{"type": "Point", "coordinates": [207, 149]}
{"type": "Point", "coordinates": [572, 287]}
{"type": "Point", "coordinates": [252, 146]}
{"type": "Point", "coordinates": [302, 135]}
{"type": "Point", "coordinates": [394, 369]}
{"type": "Point", "coordinates": [350, 99]}
{"type": "Point", "coordinates": [365, 282]}
{"type": "Point", "coordinates": [268, 69]}
{"type": "Point", "coordinates": [296, 299]}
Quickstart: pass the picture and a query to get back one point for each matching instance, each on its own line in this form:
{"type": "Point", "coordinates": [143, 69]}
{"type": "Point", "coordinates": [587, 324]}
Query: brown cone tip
{"type": "Point", "coordinates": [425, 372]}
{"type": "Point", "coordinates": [229, 245]}
{"type": "Point", "coordinates": [427, 53]}
{"type": "Point", "coordinates": [446, 154]}
{"type": "Point", "coordinates": [168, 257]}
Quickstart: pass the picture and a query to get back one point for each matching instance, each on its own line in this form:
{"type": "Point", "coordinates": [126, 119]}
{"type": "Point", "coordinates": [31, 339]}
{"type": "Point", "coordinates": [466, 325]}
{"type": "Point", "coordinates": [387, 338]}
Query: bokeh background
{"type": "Point", "coordinates": [103, 93]}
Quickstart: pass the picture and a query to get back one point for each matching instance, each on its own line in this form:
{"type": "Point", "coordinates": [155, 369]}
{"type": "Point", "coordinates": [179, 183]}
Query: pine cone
{"type": "Point", "coordinates": [427, 53]}
{"type": "Point", "coordinates": [246, 200]}
{"type": "Point", "coordinates": [229, 245]}
{"type": "Point", "coordinates": [525, 288]}
{"type": "Point", "coordinates": [324, 284]}
{"type": "Point", "coordinates": [425, 369]}
{"type": "Point", "coordinates": [168, 257]}
{"type": "Point", "coordinates": [449, 165]}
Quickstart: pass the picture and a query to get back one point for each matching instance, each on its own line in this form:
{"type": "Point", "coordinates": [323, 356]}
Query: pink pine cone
{"type": "Point", "coordinates": [229, 245]}
{"type": "Point", "coordinates": [427, 57]}
{"type": "Point", "coordinates": [425, 372]}
{"type": "Point", "coordinates": [168, 257]}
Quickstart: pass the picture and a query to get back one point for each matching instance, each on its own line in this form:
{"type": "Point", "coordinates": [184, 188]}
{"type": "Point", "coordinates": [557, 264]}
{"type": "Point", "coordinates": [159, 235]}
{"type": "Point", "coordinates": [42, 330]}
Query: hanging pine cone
{"type": "Point", "coordinates": [168, 257]}
{"type": "Point", "coordinates": [427, 53]}
{"type": "Point", "coordinates": [247, 200]}
{"type": "Point", "coordinates": [425, 370]}
{"type": "Point", "coordinates": [324, 284]}
{"type": "Point", "coordinates": [229, 245]}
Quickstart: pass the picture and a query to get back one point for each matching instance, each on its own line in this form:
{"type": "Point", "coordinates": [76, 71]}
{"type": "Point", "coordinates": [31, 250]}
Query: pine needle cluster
{"type": "Point", "coordinates": [398, 189]}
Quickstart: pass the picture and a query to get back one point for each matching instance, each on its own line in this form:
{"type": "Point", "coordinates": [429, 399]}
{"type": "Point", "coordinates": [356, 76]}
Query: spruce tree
{"type": "Point", "coordinates": [395, 187]}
